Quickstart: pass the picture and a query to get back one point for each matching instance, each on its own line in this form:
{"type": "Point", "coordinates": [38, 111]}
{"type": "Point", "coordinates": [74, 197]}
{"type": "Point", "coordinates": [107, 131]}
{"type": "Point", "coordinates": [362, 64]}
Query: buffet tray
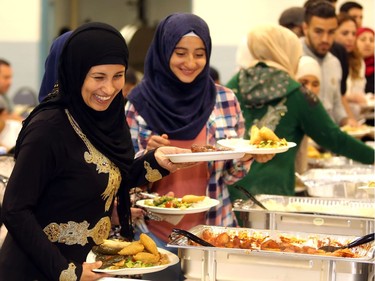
{"type": "Point", "coordinates": [329, 220]}
{"type": "Point", "coordinates": [216, 263]}
{"type": "Point", "coordinates": [311, 205]}
{"type": "Point", "coordinates": [365, 253]}
{"type": "Point", "coordinates": [339, 183]}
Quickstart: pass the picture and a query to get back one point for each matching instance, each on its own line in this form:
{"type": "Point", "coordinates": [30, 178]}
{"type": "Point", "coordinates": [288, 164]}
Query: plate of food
{"type": "Point", "coordinates": [262, 141]}
{"type": "Point", "coordinates": [357, 132]}
{"type": "Point", "coordinates": [202, 153]}
{"type": "Point", "coordinates": [130, 258]}
{"type": "Point", "coordinates": [188, 204]}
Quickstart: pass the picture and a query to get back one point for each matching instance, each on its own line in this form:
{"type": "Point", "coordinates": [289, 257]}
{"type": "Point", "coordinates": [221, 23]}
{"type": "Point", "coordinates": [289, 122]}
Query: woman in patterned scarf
{"type": "Point", "coordinates": [269, 96]}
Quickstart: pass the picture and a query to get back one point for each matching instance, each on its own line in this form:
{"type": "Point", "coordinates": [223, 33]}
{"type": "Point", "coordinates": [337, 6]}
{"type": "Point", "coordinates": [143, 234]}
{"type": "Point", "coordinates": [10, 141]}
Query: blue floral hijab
{"type": "Point", "coordinates": [167, 104]}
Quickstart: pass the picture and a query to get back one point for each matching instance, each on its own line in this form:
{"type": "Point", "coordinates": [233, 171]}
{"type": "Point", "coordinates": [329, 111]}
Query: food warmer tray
{"type": "Point", "coordinates": [340, 216]}
{"type": "Point", "coordinates": [214, 263]}
{"type": "Point", "coordinates": [343, 183]}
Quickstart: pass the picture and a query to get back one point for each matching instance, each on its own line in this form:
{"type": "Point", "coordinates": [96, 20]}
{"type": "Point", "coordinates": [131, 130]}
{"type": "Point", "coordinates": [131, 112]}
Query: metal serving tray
{"type": "Point", "coordinates": [343, 183]}
{"type": "Point", "coordinates": [213, 263]}
{"type": "Point", "coordinates": [329, 206]}
{"type": "Point", "coordinates": [337, 216]}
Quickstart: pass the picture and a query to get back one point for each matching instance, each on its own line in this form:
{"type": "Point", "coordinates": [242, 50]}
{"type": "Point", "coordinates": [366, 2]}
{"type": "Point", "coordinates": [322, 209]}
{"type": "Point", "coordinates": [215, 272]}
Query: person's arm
{"type": "Point", "coordinates": [350, 119]}
{"type": "Point", "coordinates": [318, 125]}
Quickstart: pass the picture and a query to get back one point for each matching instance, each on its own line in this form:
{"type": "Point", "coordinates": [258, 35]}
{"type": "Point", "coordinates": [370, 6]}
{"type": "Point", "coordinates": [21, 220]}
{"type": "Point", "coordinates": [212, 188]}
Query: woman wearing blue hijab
{"type": "Point", "coordinates": [177, 103]}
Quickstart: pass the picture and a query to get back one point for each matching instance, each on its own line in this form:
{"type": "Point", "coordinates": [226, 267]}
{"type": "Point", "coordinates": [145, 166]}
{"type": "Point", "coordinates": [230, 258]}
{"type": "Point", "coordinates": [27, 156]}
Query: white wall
{"type": "Point", "coordinates": [19, 40]}
{"type": "Point", "coordinates": [230, 20]}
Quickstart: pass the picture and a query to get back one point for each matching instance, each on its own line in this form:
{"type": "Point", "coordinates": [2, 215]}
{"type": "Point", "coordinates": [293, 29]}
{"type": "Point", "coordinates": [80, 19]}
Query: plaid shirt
{"type": "Point", "coordinates": [225, 121]}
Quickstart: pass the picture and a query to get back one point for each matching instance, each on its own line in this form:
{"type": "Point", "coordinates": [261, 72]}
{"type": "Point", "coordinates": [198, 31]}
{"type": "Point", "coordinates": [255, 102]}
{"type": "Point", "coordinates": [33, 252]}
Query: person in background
{"type": "Point", "coordinates": [6, 78]}
{"type": "Point", "coordinates": [178, 103]}
{"type": "Point", "coordinates": [50, 74]}
{"type": "Point", "coordinates": [365, 46]}
{"type": "Point", "coordinates": [131, 80]}
{"type": "Point", "coordinates": [269, 96]}
{"type": "Point", "coordinates": [356, 81]}
{"type": "Point", "coordinates": [309, 75]}
{"type": "Point", "coordinates": [9, 119]}
{"type": "Point", "coordinates": [354, 10]}
{"type": "Point", "coordinates": [309, 2]}
{"type": "Point", "coordinates": [319, 28]}
{"type": "Point", "coordinates": [59, 207]}
{"type": "Point", "coordinates": [340, 53]}
{"type": "Point", "coordinates": [214, 73]}
{"type": "Point", "coordinates": [292, 18]}
{"type": "Point", "coordinates": [63, 30]}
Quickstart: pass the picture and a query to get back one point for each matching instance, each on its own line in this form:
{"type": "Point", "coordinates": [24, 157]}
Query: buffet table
{"type": "Point", "coordinates": [218, 263]}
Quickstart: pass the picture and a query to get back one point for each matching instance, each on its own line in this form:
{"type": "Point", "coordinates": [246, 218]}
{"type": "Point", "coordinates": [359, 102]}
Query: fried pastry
{"type": "Point", "coordinates": [132, 249]}
{"type": "Point", "coordinates": [254, 135]}
{"type": "Point", "coordinates": [149, 244]}
{"type": "Point", "coordinates": [267, 134]}
{"type": "Point", "coordinates": [192, 198]}
{"type": "Point", "coordinates": [265, 138]}
{"type": "Point", "coordinates": [147, 257]}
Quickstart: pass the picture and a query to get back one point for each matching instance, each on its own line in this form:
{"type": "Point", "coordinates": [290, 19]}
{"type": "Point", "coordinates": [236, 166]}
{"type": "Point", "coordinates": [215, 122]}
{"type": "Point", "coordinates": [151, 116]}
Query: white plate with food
{"type": "Point", "coordinates": [173, 259]}
{"type": "Point", "coordinates": [358, 132]}
{"type": "Point", "coordinates": [245, 146]}
{"type": "Point", "coordinates": [160, 205]}
{"type": "Point", "coordinates": [205, 156]}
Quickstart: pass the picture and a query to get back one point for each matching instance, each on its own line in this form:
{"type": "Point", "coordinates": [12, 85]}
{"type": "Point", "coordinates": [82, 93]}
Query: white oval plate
{"type": "Point", "coordinates": [141, 270]}
{"type": "Point", "coordinates": [205, 156]}
{"type": "Point", "coordinates": [199, 207]}
{"type": "Point", "coordinates": [360, 132]}
{"type": "Point", "coordinates": [245, 146]}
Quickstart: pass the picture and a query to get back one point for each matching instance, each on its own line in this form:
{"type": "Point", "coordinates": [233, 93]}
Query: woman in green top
{"type": "Point", "coordinates": [269, 96]}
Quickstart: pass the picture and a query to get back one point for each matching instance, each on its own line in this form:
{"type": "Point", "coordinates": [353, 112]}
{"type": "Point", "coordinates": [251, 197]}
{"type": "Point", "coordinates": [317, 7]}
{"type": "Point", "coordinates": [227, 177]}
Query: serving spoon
{"type": "Point", "coordinates": [361, 240]}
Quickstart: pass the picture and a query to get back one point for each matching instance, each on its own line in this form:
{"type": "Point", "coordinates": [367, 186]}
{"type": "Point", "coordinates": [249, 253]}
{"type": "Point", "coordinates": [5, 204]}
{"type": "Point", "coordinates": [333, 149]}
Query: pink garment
{"type": "Point", "coordinates": [192, 180]}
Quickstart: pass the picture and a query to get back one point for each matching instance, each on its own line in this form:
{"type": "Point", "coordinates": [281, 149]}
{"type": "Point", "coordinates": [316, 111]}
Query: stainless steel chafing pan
{"type": "Point", "coordinates": [208, 263]}
{"type": "Point", "coordinates": [340, 216]}
{"type": "Point", "coordinates": [343, 183]}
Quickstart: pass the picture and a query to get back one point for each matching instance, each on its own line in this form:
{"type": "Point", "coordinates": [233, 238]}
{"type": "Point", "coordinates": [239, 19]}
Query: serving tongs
{"type": "Point", "coordinates": [250, 196]}
{"type": "Point", "coordinates": [190, 236]}
{"type": "Point", "coordinates": [361, 240]}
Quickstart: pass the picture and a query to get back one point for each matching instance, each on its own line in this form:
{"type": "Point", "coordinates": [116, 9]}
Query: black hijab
{"type": "Point", "coordinates": [90, 45]}
{"type": "Point", "coordinates": [167, 104]}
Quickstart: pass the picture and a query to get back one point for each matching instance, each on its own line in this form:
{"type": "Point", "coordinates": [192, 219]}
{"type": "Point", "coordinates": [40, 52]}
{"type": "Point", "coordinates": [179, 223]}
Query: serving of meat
{"type": "Point", "coordinates": [207, 148]}
{"type": "Point", "coordinates": [257, 241]}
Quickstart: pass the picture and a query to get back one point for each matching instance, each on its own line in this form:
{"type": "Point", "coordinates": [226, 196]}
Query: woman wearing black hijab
{"type": "Point", "coordinates": [73, 156]}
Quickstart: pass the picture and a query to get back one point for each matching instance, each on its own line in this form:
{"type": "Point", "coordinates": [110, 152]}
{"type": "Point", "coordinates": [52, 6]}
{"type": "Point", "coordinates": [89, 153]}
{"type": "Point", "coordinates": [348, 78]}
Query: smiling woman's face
{"type": "Point", "coordinates": [102, 84]}
{"type": "Point", "coordinates": [188, 58]}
